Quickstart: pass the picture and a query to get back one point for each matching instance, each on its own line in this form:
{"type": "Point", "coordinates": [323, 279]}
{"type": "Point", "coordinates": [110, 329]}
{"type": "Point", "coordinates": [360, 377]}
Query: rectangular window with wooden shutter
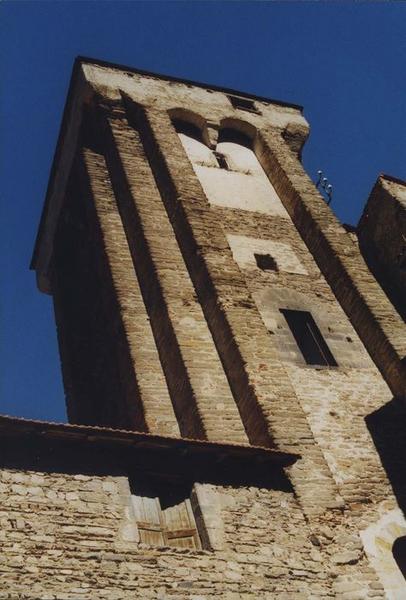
{"type": "Point", "coordinates": [164, 514]}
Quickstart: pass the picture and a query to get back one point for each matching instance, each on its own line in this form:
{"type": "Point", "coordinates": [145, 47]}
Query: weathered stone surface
{"type": "Point", "coordinates": [382, 238]}
{"type": "Point", "coordinates": [168, 323]}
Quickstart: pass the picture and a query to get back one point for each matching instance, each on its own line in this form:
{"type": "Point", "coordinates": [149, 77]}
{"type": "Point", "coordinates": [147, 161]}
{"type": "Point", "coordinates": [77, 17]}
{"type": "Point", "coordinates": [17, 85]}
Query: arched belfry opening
{"type": "Point", "coordinates": [191, 131]}
{"type": "Point", "coordinates": [234, 136]}
{"type": "Point", "coordinates": [228, 170]}
{"type": "Point", "coordinates": [188, 128]}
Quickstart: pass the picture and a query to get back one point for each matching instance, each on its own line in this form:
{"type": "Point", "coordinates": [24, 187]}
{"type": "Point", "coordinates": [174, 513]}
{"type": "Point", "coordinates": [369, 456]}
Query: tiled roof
{"type": "Point", "coordinates": [17, 426]}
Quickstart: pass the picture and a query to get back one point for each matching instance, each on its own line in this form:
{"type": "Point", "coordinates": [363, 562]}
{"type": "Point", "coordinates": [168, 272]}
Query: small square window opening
{"type": "Point", "coordinates": [308, 337]}
{"type": "Point", "coordinates": [243, 103]}
{"type": "Point", "coordinates": [266, 262]}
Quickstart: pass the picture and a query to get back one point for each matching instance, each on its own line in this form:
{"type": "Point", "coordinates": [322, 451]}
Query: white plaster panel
{"type": "Point", "coordinates": [245, 186]}
{"type": "Point", "coordinates": [235, 190]}
{"type": "Point", "coordinates": [240, 158]}
{"type": "Point", "coordinates": [198, 153]}
{"type": "Point", "coordinates": [244, 248]}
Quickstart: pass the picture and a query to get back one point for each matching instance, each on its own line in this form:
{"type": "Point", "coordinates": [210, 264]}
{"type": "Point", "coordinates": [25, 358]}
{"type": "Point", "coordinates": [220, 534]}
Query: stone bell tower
{"type": "Point", "coordinates": [204, 291]}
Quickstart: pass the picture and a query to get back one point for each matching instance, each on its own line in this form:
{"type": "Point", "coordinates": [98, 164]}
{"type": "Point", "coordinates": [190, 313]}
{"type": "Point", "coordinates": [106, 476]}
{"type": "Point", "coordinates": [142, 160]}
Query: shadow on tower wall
{"type": "Point", "coordinates": [387, 426]}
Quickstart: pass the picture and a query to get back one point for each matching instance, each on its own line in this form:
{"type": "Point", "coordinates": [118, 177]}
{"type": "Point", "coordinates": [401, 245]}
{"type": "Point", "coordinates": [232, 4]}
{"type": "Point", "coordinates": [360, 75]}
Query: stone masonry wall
{"type": "Point", "coordinates": [178, 245]}
{"type": "Point", "coordinates": [382, 237]}
{"type": "Point", "coordinates": [203, 380]}
{"type": "Point", "coordinates": [97, 345]}
{"type": "Point", "coordinates": [68, 532]}
{"type": "Point", "coordinates": [337, 401]}
{"type": "Point", "coordinates": [371, 313]}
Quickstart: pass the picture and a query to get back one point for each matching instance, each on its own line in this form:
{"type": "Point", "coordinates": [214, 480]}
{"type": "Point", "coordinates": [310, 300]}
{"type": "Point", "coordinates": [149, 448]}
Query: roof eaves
{"type": "Point", "coordinates": [392, 178]}
{"type": "Point", "coordinates": [20, 426]}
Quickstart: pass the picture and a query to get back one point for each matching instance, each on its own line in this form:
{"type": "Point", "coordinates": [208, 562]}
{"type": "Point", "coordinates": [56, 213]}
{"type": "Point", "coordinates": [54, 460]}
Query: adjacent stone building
{"type": "Point", "coordinates": [235, 374]}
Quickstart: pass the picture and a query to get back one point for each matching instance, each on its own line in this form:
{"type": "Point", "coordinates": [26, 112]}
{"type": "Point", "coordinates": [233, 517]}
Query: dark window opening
{"type": "Point", "coordinates": [243, 103]}
{"type": "Point", "coordinates": [266, 262]}
{"type": "Point", "coordinates": [236, 137]}
{"type": "Point", "coordinates": [221, 161]}
{"type": "Point", "coordinates": [399, 554]}
{"type": "Point", "coordinates": [308, 337]}
{"type": "Point", "coordinates": [163, 513]}
{"type": "Point", "coordinates": [188, 129]}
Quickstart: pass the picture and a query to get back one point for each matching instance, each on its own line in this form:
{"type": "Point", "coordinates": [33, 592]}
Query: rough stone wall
{"type": "Point", "coordinates": [336, 400]}
{"type": "Point", "coordinates": [382, 237]}
{"type": "Point", "coordinates": [70, 534]}
{"type": "Point", "coordinates": [202, 380]}
{"type": "Point", "coordinates": [339, 259]}
{"type": "Point", "coordinates": [98, 346]}
{"type": "Point", "coordinates": [178, 242]}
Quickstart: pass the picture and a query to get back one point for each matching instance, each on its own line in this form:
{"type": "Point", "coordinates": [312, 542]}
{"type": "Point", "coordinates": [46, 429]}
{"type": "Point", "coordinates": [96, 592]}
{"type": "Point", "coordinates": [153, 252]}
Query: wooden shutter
{"type": "Point", "coordinates": [172, 526]}
{"type": "Point", "coordinates": [149, 520]}
{"type": "Point", "coordinates": [180, 526]}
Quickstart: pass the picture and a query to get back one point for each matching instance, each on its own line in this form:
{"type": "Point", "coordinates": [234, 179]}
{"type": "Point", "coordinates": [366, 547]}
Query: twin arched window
{"type": "Point", "coordinates": [233, 151]}
{"type": "Point", "coordinates": [230, 174]}
{"type": "Point", "coordinates": [188, 129]}
{"type": "Point", "coordinates": [226, 134]}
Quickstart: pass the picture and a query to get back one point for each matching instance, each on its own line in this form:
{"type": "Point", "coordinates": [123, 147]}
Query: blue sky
{"type": "Point", "coordinates": [344, 62]}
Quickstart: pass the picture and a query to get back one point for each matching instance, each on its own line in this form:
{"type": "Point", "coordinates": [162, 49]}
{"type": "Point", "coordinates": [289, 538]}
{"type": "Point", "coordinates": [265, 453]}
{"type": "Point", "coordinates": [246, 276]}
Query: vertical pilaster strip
{"type": "Point", "coordinates": [339, 259]}
{"type": "Point", "coordinates": [198, 385]}
{"type": "Point", "coordinates": [149, 392]}
{"type": "Point", "coordinates": [261, 387]}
